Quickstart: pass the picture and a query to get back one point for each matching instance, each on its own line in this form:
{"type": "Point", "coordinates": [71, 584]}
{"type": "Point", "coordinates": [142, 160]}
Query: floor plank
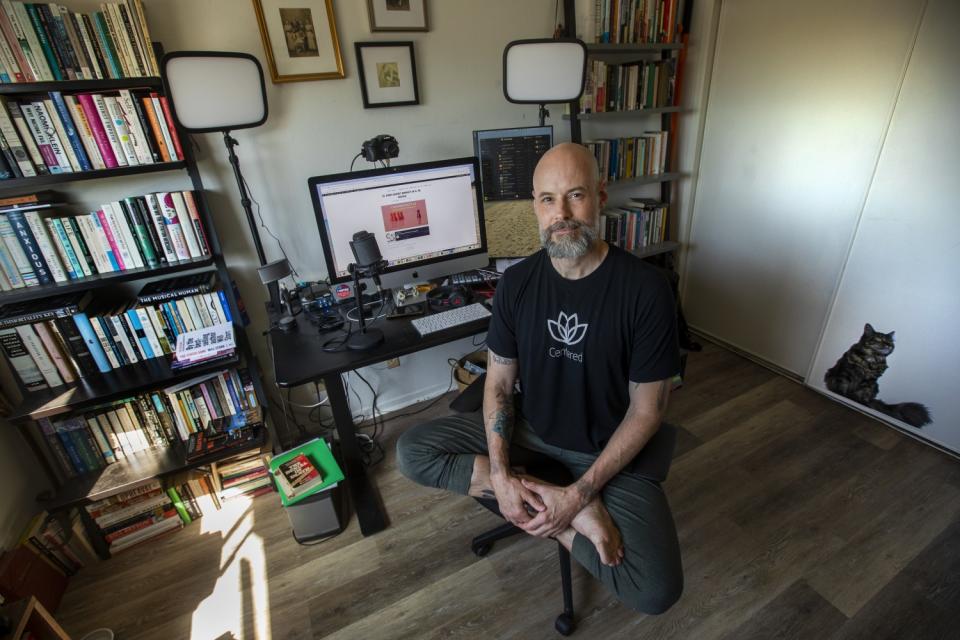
{"type": "Point", "coordinates": [797, 517]}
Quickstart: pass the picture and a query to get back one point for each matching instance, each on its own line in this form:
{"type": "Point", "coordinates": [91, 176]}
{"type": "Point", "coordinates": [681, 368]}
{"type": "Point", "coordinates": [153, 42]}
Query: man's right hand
{"type": "Point", "coordinates": [512, 498]}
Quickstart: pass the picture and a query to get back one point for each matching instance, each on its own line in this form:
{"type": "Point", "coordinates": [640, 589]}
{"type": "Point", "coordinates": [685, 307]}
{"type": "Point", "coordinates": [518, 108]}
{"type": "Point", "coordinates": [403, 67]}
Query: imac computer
{"type": "Point", "coordinates": [427, 219]}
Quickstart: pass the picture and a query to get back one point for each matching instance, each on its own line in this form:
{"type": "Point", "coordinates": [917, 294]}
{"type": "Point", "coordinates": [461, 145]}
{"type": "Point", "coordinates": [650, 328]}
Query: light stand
{"type": "Point", "coordinates": [220, 91]}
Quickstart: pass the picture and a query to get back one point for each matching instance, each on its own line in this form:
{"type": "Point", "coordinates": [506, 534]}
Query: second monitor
{"type": "Point", "coordinates": [427, 218]}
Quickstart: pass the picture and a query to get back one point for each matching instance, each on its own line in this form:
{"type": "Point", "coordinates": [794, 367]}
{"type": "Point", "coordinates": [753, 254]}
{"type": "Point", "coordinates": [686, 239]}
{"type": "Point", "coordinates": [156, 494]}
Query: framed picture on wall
{"type": "Point", "coordinates": [397, 15]}
{"type": "Point", "coordinates": [300, 39]}
{"type": "Point", "coordinates": [388, 74]}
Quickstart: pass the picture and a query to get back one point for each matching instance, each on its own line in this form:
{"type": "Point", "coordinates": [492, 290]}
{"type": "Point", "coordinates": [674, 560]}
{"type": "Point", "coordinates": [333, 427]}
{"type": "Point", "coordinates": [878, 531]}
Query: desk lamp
{"type": "Point", "coordinates": [220, 91]}
{"type": "Point", "coordinates": [544, 70]}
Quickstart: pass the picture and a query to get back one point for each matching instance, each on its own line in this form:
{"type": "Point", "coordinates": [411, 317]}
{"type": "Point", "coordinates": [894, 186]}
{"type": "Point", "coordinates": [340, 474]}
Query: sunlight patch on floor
{"type": "Point", "coordinates": [239, 606]}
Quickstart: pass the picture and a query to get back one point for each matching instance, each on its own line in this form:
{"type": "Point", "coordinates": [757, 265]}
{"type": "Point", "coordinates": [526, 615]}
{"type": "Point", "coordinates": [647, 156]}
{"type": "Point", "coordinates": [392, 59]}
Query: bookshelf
{"type": "Point", "coordinates": [626, 53]}
{"type": "Point", "coordinates": [147, 374]}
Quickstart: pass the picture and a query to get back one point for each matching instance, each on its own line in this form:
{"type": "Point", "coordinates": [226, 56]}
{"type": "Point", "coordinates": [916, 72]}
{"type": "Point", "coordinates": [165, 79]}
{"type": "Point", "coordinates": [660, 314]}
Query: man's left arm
{"type": "Point", "coordinates": [648, 403]}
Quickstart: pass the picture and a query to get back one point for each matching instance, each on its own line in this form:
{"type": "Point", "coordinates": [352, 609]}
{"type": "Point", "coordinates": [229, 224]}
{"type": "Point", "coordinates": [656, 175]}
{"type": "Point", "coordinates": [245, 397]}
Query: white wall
{"type": "Point", "coordinates": [799, 100]}
{"type": "Point", "coordinates": [316, 128]}
{"type": "Point", "coordinates": [903, 273]}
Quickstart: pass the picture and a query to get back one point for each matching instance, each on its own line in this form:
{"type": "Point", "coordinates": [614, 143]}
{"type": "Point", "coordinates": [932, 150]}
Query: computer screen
{"type": "Point", "coordinates": [427, 218]}
{"type": "Point", "coordinates": [508, 158]}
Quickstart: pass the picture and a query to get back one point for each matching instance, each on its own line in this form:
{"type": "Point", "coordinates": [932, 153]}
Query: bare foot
{"type": "Point", "coordinates": [594, 522]}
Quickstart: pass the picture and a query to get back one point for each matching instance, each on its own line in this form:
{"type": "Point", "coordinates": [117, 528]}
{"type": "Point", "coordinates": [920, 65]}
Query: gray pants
{"type": "Point", "coordinates": [440, 454]}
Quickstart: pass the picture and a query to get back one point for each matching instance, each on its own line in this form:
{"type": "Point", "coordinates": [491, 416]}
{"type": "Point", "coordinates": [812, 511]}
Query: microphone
{"type": "Point", "coordinates": [366, 251]}
{"type": "Point", "coordinates": [369, 262]}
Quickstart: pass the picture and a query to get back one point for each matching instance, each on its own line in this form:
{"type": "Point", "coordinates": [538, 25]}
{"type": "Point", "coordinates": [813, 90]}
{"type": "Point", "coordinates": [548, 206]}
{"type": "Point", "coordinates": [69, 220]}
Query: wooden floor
{"type": "Point", "coordinates": [798, 518]}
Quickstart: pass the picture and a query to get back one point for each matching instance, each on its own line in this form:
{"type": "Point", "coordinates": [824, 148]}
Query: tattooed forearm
{"type": "Point", "coordinates": [501, 359]}
{"type": "Point", "coordinates": [503, 423]}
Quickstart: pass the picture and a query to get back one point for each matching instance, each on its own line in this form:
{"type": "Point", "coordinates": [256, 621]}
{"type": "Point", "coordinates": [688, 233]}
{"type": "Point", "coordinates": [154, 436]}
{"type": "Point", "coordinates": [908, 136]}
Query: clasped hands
{"type": "Point", "coordinates": [542, 510]}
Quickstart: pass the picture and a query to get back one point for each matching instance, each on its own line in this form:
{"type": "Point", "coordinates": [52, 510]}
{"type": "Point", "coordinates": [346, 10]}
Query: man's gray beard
{"type": "Point", "coordinates": [568, 247]}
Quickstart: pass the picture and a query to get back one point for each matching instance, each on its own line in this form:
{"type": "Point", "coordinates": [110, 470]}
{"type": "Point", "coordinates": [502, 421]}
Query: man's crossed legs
{"type": "Point", "coordinates": [626, 539]}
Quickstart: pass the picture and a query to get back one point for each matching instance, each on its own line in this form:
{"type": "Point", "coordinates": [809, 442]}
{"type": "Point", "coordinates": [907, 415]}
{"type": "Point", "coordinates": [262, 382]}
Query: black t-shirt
{"type": "Point", "coordinates": [578, 342]}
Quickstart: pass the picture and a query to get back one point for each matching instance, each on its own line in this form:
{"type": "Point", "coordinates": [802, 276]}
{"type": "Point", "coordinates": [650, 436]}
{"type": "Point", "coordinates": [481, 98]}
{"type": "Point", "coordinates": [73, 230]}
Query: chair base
{"type": "Point", "coordinates": [483, 543]}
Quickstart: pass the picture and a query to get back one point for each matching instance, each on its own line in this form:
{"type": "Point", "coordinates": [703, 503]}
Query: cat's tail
{"type": "Point", "coordinates": [913, 413]}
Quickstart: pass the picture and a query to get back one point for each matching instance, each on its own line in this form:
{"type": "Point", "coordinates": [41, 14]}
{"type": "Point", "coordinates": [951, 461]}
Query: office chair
{"type": "Point", "coordinates": [654, 462]}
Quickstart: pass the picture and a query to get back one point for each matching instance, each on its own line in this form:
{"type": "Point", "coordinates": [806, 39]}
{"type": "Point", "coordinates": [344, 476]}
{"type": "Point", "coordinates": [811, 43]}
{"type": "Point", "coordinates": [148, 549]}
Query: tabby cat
{"type": "Point", "coordinates": [856, 373]}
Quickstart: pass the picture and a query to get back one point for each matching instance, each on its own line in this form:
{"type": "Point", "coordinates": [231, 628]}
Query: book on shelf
{"type": "Point", "coordinates": [639, 223]}
{"type": "Point", "coordinates": [203, 345]}
{"type": "Point", "coordinates": [624, 158]}
{"type": "Point", "coordinates": [88, 441]}
{"type": "Point", "coordinates": [42, 246]}
{"type": "Point", "coordinates": [243, 475]}
{"type": "Point", "coordinates": [57, 132]}
{"type": "Point", "coordinates": [634, 21]}
{"type": "Point", "coordinates": [44, 42]}
{"type": "Point", "coordinates": [145, 512]}
{"type": "Point", "coordinates": [60, 339]}
{"type": "Point", "coordinates": [628, 87]}
{"type": "Point", "coordinates": [226, 433]}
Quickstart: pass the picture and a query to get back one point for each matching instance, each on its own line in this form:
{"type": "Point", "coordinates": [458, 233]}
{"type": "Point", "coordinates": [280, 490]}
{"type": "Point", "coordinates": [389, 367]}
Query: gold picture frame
{"type": "Point", "coordinates": [300, 42]}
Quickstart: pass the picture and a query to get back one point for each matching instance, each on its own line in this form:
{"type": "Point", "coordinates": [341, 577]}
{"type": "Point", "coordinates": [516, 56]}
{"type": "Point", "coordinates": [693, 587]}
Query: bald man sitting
{"type": "Point", "coordinates": [590, 331]}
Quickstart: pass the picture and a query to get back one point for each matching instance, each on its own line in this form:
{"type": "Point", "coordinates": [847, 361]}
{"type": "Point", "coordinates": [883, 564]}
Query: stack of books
{"type": "Point", "coordinates": [56, 133]}
{"type": "Point", "coordinates": [639, 223]}
{"type": "Point", "coordinates": [243, 475]}
{"type": "Point", "coordinates": [44, 42]}
{"type": "Point", "coordinates": [628, 87]}
{"type": "Point", "coordinates": [143, 232]}
{"type": "Point", "coordinates": [115, 431]}
{"type": "Point", "coordinates": [635, 21]}
{"type": "Point", "coordinates": [62, 339]}
{"type": "Point", "coordinates": [142, 513]}
{"type": "Point", "coordinates": [622, 158]}
{"type": "Point", "coordinates": [66, 551]}
{"type": "Point", "coordinates": [306, 470]}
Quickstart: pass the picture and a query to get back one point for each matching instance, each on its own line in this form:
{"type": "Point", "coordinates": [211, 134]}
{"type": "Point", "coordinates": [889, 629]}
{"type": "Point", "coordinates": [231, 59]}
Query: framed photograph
{"type": "Point", "coordinates": [397, 15]}
{"type": "Point", "coordinates": [300, 39]}
{"type": "Point", "coordinates": [388, 74]}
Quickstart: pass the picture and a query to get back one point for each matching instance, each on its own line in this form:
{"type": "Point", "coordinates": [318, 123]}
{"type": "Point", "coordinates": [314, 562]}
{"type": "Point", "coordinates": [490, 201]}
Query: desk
{"type": "Point", "coordinates": [298, 358]}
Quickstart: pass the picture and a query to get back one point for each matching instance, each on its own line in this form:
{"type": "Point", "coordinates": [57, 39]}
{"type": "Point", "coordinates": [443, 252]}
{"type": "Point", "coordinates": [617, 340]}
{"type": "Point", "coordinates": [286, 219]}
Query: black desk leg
{"type": "Point", "coordinates": [366, 499]}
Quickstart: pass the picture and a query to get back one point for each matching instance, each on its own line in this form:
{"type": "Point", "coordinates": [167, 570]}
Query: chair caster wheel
{"type": "Point", "coordinates": [565, 624]}
{"type": "Point", "coordinates": [481, 550]}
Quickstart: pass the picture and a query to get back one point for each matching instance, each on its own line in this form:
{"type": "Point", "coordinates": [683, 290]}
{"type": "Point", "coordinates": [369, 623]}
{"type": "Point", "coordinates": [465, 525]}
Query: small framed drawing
{"type": "Point", "coordinates": [397, 15]}
{"type": "Point", "coordinates": [388, 74]}
{"type": "Point", "coordinates": [300, 39]}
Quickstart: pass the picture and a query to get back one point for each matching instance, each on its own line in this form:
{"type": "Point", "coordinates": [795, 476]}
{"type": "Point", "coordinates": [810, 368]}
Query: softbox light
{"type": "Point", "coordinates": [544, 71]}
{"type": "Point", "coordinates": [214, 90]}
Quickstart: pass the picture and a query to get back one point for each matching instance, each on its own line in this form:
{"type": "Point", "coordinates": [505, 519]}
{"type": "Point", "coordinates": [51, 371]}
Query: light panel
{"type": "Point", "coordinates": [215, 90]}
{"type": "Point", "coordinates": [544, 71]}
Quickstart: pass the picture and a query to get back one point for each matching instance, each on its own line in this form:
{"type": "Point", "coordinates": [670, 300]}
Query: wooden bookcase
{"type": "Point", "coordinates": [151, 374]}
{"type": "Point", "coordinates": [643, 118]}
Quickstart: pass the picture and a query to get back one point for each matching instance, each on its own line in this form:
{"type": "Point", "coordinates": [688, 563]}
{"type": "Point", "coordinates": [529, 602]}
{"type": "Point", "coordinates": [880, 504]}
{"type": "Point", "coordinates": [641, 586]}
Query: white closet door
{"type": "Point", "coordinates": [903, 274]}
{"type": "Point", "coordinates": [800, 96]}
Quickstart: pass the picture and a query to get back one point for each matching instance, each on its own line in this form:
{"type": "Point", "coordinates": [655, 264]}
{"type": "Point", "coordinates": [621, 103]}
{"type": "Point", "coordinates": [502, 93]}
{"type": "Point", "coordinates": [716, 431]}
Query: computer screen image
{"type": "Point", "coordinates": [427, 219]}
{"type": "Point", "coordinates": [508, 158]}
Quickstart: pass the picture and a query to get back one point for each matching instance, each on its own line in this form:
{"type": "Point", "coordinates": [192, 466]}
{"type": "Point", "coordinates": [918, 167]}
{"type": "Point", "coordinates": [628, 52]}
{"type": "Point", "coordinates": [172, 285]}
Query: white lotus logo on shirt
{"type": "Point", "coordinates": [567, 329]}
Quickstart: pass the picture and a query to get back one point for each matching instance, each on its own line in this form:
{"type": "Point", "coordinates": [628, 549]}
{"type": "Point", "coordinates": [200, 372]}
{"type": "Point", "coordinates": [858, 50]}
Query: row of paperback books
{"type": "Point", "coordinates": [639, 223]}
{"type": "Point", "coordinates": [144, 513]}
{"type": "Point", "coordinates": [154, 230]}
{"type": "Point", "coordinates": [115, 431]}
{"type": "Point", "coordinates": [56, 133]}
{"type": "Point", "coordinates": [622, 158]}
{"type": "Point", "coordinates": [635, 21]}
{"type": "Point", "coordinates": [43, 42]}
{"type": "Point", "coordinates": [628, 87]}
{"type": "Point", "coordinates": [243, 475]}
{"type": "Point", "coordinates": [61, 339]}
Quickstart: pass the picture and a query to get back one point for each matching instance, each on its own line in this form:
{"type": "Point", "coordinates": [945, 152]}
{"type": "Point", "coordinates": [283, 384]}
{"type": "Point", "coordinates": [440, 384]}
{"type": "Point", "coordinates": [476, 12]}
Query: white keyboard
{"type": "Point", "coordinates": [451, 318]}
